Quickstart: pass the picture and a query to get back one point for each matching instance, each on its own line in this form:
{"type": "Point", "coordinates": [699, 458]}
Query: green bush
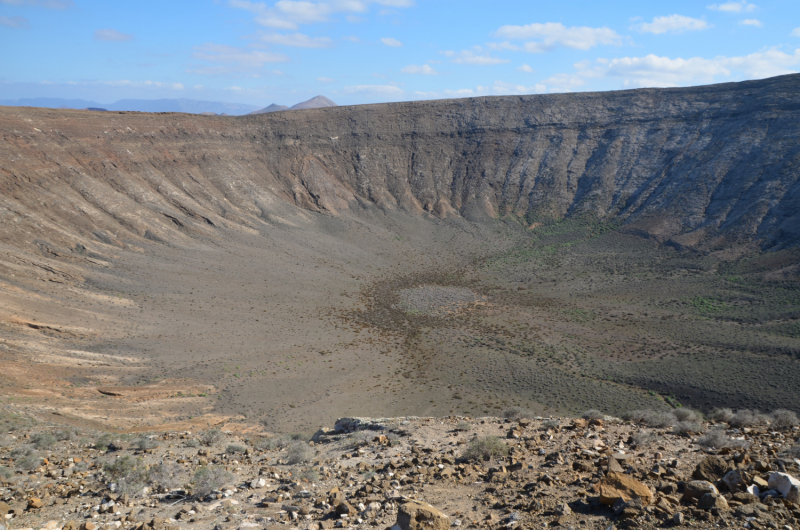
{"type": "Point", "coordinates": [485, 448]}
{"type": "Point", "coordinates": [208, 479]}
{"type": "Point", "coordinates": [119, 467]}
{"type": "Point", "coordinates": [166, 477]}
{"type": "Point", "coordinates": [26, 458]}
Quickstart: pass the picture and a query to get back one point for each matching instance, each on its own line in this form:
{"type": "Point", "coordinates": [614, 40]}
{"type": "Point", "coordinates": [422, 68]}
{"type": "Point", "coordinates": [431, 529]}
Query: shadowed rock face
{"type": "Point", "coordinates": [705, 166]}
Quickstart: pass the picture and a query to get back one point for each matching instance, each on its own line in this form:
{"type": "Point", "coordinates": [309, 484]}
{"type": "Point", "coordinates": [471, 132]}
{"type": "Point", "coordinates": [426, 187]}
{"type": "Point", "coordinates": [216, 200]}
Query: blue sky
{"type": "Point", "coordinates": [367, 51]}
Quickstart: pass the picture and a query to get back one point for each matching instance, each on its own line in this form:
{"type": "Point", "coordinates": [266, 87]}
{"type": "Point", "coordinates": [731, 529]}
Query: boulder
{"type": "Point", "coordinates": [415, 515]}
{"type": "Point", "coordinates": [617, 486]}
{"type": "Point", "coordinates": [711, 469]}
{"type": "Point", "coordinates": [711, 501]}
{"type": "Point", "coordinates": [697, 488]}
{"type": "Point", "coordinates": [787, 485]}
{"type": "Point", "coordinates": [735, 480]}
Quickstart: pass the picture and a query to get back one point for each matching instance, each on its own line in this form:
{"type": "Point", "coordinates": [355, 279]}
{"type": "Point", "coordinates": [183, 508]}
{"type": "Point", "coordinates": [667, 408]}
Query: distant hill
{"type": "Point", "coordinates": [272, 108]}
{"type": "Point", "coordinates": [315, 103]}
{"type": "Point", "coordinates": [189, 106]}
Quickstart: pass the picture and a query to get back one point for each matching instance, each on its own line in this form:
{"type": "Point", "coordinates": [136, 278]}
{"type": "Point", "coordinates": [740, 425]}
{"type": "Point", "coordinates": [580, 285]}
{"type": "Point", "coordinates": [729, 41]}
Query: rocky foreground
{"type": "Point", "coordinates": [430, 473]}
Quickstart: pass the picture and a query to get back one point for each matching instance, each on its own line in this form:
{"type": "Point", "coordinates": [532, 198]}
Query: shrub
{"type": "Point", "coordinates": [593, 414]}
{"type": "Point", "coordinates": [463, 426]}
{"type": "Point", "coordinates": [298, 453]}
{"type": "Point", "coordinates": [748, 418]}
{"type": "Point", "coordinates": [122, 466]}
{"type": "Point", "coordinates": [166, 477]}
{"type": "Point", "coordinates": [300, 437]}
{"type": "Point", "coordinates": [793, 451]}
{"type": "Point", "coordinates": [784, 419]}
{"type": "Point", "coordinates": [109, 441]}
{"type": "Point", "coordinates": [211, 437]}
{"type": "Point", "coordinates": [485, 448]}
{"type": "Point", "coordinates": [6, 473]}
{"type": "Point", "coordinates": [643, 438]}
{"type": "Point", "coordinates": [66, 435]}
{"type": "Point", "coordinates": [359, 439]}
{"type": "Point", "coordinates": [687, 427]}
{"type": "Point", "coordinates": [687, 415]}
{"type": "Point", "coordinates": [208, 479]}
{"type": "Point", "coordinates": [144, 443]}
{"type": "Point", "coordinates": [309, 474]}
{"type": "Point", "coordinates": [270, 443]}
{"type": "Point", "coordinates": [515, 413]}
{"type": "Point", "coordinates": [233, 449]}
{"type": "Point", "coordinates": [191, 442]}
{"type": "Point", "coordinates": [25, 458]}
{"type": "Point", "coordinates": [721, 415]}
{"type": "Point", "coordinates": [551, 424]}
{"type": "Point", "coordinates": [717, 439]}
{"type": "Point", "coordinates": [43, 440]}
{"type": "Point", "coordinates": [10, 421]}
{"type": "Point", "coordinates": [652, 418]}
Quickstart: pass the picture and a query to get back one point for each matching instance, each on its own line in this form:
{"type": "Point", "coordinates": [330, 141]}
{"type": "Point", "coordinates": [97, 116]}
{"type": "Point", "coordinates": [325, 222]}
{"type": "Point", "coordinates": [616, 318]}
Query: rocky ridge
{"type": "Point", "coordinates": [415, 473]}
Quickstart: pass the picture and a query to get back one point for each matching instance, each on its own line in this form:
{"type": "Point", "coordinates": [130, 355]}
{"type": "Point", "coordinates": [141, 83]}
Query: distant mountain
{"type": "Point", "coordinates": [272, 108]}
{"type": "Point", "coordinates": [189, 106]}
{"type": "Point", "coordinates": [315, 103]}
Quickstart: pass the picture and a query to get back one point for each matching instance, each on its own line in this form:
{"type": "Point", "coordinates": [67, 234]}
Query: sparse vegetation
{"type": "Point", "coordinates": [309, 474]}
{"type": "Point", "coordinates": [211, 437]}
{"type": "Point", "coordinates": [208, 479]}
{"type": "Point", "coordinates": [784, 419]}
{"type": "Point", "coordinates": [686, 428]}
{"type": "Point", "coordinates": [688, 415]}
{"type": "Point", "coordinates": [551, 424]}
{"type": "Point", "coordinates": [717, 439]}
{"type": "Point", "coordinates": [463, 426]}
{"type": "Point", "coordinates": [652, 418]}
{"type": "Point", "coordinates": [748, 418]}
{"type": "Point", "coordinates": [43, 440]}
{"type": "Point", "coordinates": [644, 438]}
{"type": "Point", "coordinates": [298, 453]}
{"type": "Point", "coordinates": [485, 448]}
{"type": "Point", "coordinates": [721, 415]}
{"type": "Point", "coordinates": [144, 443]}
{"type": "Point", "coordinates": [166, 477]}
{"type": "Point", "coordinates": [593, 414]}
{"type": "Point", "coordinates": [516, 413]}
{"type": "Point", "coordinates": [6, 473]}
{"type": "Point", "coordinates": [233, 449]}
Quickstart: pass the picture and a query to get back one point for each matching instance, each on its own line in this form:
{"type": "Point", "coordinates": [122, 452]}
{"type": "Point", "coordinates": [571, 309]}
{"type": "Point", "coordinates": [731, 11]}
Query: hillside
{"type": "Point", "coordinates": [617, 250]}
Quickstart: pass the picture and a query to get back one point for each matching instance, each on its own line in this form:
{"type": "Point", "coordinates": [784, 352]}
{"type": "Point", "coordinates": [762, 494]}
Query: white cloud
{"type": "Point", "coordinates": [375, 90]}
{"type": "Point", "coordinates": [112, 35]}
{"type": "Point", "coordinates": [14, 22]}
{"type": "Point", "coordinates": [525, 68]}
{"type": "Point", "coordinates": [232, 60]}
{"type": "Point", "coordinates": [752, 22]}
{"type": "Point", "coordinates": [394, 43]}
{"type": "Point", "coordinates": [425, 69]}
{"type": "Point", "coordinates": [49, 4]}
{"type": "Point", "coordinates": [326, 80]}
{"type": "Point", "coordinates": [290, 14]}
{"type": "Point", "coordinates": [552, 34]}
{"type": "Point", "coordinates": [297, 40]}
{"type": "Point", "coordinates": [796, 32]}
{"type": "Point", "coordinates": [733, 7]}
{"type": "Point", "coordinates": [655, 71]}
{"type": "Point", "coordinates": [672, 24]}
{"type": "Point", "coordinates": [352, 38]}
{"type": "Point", "coordinates": [471, 57]}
